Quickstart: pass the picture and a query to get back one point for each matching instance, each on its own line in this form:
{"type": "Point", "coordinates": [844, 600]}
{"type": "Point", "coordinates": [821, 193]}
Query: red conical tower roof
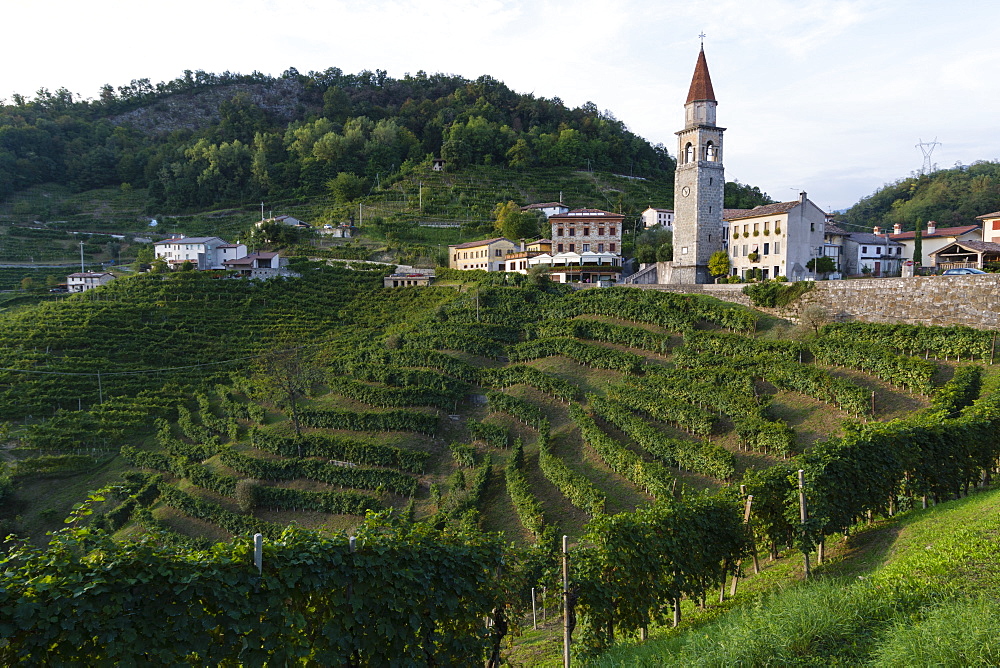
{"type": "Point", "coordinates": [701, 82]}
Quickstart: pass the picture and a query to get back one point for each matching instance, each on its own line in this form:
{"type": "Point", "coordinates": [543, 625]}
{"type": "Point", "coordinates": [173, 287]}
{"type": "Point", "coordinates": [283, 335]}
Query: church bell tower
{"type": "Point", "coordinates": [699, 182]}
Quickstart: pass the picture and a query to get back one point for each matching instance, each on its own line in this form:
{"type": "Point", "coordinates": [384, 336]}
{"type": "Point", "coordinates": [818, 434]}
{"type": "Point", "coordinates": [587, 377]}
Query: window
{"type": "Point", "coordinates": [755, 228]}
{"type": "Point", "coordinates": [898, 251]}
{"type": "Point", "coordinates": [864, 249]}
{"type": "Point", "coordinates": [499, 252]}
{"type": "Point", "coordinates": [559, 231]}
{"type": "Point", "coordinates": [996, 224]}
{"type": "Point", "coordinates": [613, 232]}
{"type": "Point", "coordinates": [767, 224]}
{"type": "Point", "coordinates": [767, 249]}
{"type": "Point", "coordinates": [600, 231]}
{"type": "Point", "coordinates": [710, 152]}
{"type": "Point", "coordinates": [559, 248]}
{"type": "Point", "coordinates": [611, 247]}
{"type": "Point", "coordinates": [745, 230]}
{"type": "Point", "coordinates": [586, 231]}
{"type": "Point", "coordinates": [812, 227]}
{"type": "Point", "coordinates": [777, 248]}
{"type": "Point", "coordinates": [688, 153]}
{"type": "Point", "coordinates": [586, 248]}
{"type": "Point", "coordinates": [600, 248]}
{"type": "Point", "coordinates": [572, 248]}
{"type": "Point", "coordinates": [572, 232]}
{"type": "Point", "coordinates": [776, 269]}
{"type": "Point", "coordinates": [745, 250]}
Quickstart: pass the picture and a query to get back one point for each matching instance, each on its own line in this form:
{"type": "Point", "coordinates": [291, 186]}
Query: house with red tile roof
{"type": "Point", "coordinates": [934, 239]}
{"type": "Point", "coordinates": [587, 231]}
{"type": "Point", "coordinates": [486, 254]}
{"type": "Point", "coordinates": [778, 239]}
{"type": "Point", "coordinates": [991, 226]}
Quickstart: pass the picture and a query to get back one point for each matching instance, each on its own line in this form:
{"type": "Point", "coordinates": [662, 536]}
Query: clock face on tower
{"type": "Point", "coordinates": [685, 191]}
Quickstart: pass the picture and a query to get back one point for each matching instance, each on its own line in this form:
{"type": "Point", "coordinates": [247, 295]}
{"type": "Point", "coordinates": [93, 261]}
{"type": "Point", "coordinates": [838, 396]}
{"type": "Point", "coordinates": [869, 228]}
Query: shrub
{"type": "Point", "coordinates": [773, 294]}
{"type": "Point", "coordinates": [246, 495]}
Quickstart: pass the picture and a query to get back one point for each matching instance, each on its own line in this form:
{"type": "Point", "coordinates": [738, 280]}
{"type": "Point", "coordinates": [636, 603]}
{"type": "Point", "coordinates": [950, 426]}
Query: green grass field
{"type": "Point", "coordinates": [917, 590]}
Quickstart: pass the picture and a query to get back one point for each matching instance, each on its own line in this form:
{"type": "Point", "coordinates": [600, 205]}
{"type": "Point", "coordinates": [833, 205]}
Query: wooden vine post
{"type": "Point", "coordinates": [565, 582]}
{"type": "Point", "coordinates": [802, 515]}
{"type": "Point", "coordinates": [753, 544]}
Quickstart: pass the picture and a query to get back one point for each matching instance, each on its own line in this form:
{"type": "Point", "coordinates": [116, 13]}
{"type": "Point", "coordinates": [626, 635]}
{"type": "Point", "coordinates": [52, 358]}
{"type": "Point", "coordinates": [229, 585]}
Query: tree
{"type": "Point", "coordinates": [27, 283]}
{"type": "Point", "coordinates": [821, 265]}
{"type": "Point", "coordinates": [276, 234]}
{"type": "Point", "coordinates": [645, 253]}
{"type": "Point", "coordinates": [718, 263]}
{"type": "Point", "coordinates": [287, 375]}
{"type": "Point", "coordinates": [346, 187]}
{"type": "Point", "coordinates": [143, 258]}
{"type": "Point", "coordinates": [246, 495]}
{"type": "Point", "coordinates": [513, 223]}
{"type": "Point", "coordinates": [655, 244]}
{"type": "Point", "coordinates": [918, 244]}
{"type": "Point", "coordinates": [539, 275]}
{"type": "Point", "coordinates": [814, 317]}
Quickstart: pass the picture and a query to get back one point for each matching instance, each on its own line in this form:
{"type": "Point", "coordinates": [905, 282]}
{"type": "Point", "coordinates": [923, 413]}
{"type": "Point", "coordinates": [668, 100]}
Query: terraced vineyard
{"type": "Point", "coordinates": [239, 407]}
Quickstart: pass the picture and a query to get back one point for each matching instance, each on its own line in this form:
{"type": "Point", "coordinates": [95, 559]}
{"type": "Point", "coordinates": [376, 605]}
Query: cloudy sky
{"type": "Point", "coordinates": [830, 96]}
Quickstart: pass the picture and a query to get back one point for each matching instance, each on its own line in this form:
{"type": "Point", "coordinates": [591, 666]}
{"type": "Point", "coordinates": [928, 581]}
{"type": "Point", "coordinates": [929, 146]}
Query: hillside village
{"type": "Point", "coordinates": [794, 240]}
{"type": "Point", "coordinates": [494, 468]}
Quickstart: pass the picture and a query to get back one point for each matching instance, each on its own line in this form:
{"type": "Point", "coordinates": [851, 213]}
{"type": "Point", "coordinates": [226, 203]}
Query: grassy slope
{"type": "Point", "coordinates": [916, 590]}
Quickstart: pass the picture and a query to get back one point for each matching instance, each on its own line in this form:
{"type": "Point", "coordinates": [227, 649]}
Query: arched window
{"type": "Point", "coordinates": [710, 152]}
{"type": "Point", "coordinates": [688, 153]}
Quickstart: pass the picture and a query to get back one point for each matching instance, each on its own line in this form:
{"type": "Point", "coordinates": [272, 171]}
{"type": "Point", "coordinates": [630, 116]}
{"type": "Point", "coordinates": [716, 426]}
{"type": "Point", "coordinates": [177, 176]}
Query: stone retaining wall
{"type": "Point", "coordinates": [973, 301]}
{"type": "Point", "coordinates": [730, 293]}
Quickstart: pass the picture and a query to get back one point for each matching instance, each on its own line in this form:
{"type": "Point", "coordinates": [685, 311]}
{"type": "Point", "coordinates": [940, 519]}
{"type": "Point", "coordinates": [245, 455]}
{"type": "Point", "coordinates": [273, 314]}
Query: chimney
{"type": "Point", "coordinates": [522, 245]}
{"type": "Point", "coordinates": [802, 197]}
{"type": "Point", "coordinates": [897, 229]}
{"type": "Point", "coordinates": [876, 230]}
{"type": "Point", "coordinates": [931, 227]}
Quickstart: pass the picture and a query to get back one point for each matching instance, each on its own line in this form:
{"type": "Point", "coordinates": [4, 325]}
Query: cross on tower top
{"type": "Point", "coordinates": [702, 38]}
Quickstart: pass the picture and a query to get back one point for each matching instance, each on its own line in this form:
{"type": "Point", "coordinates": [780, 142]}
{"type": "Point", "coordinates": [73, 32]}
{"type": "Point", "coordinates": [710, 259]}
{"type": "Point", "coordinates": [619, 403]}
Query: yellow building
{"type": "Point", "coordinates": [517, 260]}
{"type": "Point", "coordinates": [488, 254]}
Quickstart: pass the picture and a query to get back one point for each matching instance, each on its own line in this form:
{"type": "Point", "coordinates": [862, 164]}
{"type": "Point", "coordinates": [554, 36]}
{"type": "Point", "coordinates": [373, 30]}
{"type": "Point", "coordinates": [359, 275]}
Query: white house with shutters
{"type": "Point", "coordinates": [82, 281]}
{"type": "Point", "coordinates": [662, 217]}
{"type": "Point", "coordinates": [203, 252]}
{"type": "Point", "coordinates": [776, 239]}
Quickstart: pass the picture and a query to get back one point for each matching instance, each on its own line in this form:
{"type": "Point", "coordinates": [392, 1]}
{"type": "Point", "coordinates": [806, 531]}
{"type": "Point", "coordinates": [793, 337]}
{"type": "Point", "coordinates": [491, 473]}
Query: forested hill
{"type": "Point", "coordinates": [949, 197]}
{"type": "Point", "coordinates": [205, 139]}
